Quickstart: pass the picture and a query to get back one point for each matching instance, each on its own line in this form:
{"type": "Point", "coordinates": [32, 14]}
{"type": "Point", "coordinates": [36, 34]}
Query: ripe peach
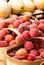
{"type": "Point", "coordinates": [34, 32]}
{"type": "Point", "coordinates": [2, 24]}
{"type": "Point", "coordinates": [41, 27]}
{"type": "Point", "coordinates": [22, 28]}
{"type": "Point", "coordinates": [19, 39]}
{"type": "Point", "coordinates": [41, 21]}
{"type": "Point", "coordinates": [28, 27]}
{"type": "Point", "coordinates": [26, 34]}
{"type": "Point", "coordinates": [42, 54]}
{"type": "Point", "coordinates": [26, 18]}
{"type": "Point", "coordinates": [27, 23]}
{"type": "Point", "coordinates": [11, 43]}
{"type": "Point", "coordinates": [4, 32]}
{"type": "Point", "coordinates": [16, 23]}
{"type": "Point", "coordinates": [20, 19]}
{"type": "Point", "coordinates": [21, 53]}
{"type": "Point", "coordinates": [9, 38]}
{"type": "Point", "coordinates": [34, 52]}
{"type": "Point", "coordinates": [28, 45]}
{"type": "Point", "coordinates": [3, 44]}
{"type": "Point", "coordinates": [36, 22]}
{"type": "Point", "coordinates": [40, 50]}
{"type": "Point", "coordinates": [33, 26]}
{"type": "Point", "coordinates": [30, 57]}
{"type": "Point", "coordinates": [11, 20]}
{"type": "Point", "coordinates": [38, 57]}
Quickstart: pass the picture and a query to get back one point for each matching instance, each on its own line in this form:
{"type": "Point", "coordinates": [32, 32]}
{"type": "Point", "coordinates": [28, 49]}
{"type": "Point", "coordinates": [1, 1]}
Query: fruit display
{"type": "Point", "coordinates": [20, 29]}
{"type": "Point", "coordinates": [5, 9]}
{"type": "Point", "coordinates": [30, 32]}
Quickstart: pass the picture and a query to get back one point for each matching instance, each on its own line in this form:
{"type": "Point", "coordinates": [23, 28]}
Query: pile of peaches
{"type": "Point", "coordinates": [33, 49]}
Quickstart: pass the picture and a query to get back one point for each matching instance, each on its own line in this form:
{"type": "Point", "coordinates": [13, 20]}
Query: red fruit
{"type": "Point", "coordinates": [36, 22]}
{"type": "Point", "coordinates": [27, 23]}
{"type": "Point", "coordinates": [36, 46]}
{"type": "Point", "coordinates": [22, 28]}
{"type": "Point", "coordinates": [42, 45]}
{"type": "Point", "coordinates": [40, 50]}
{"type": "Point", "coordinates": [26, 18]}
{"type": "Point", "coordinates": [16, 23]}
{"type": "Point", "coordinates": [26, 34]}
{"type": "Point", "coordinates": [3, 44]}
{"type": "Point", "coordinates": [41, 21]}
{"type": "Point", "coordinates": [9, 38]}
{"type": "Point", "coordinates": [38, 57]}
{"type": "Point", "coordinates": [4, 32]}
{"type": "Point", "coordinates": [20, 19]}
{"type": "Point", "coordinates": [34, 32]}
{"type": "Point", "coordinates": [41, 27]}
{"type": "Point", "coordinates": [42, 54]}
{"type": "Point", "coordinates": [33, 26]}
{"type": "Point", "coordinates": [12, 43]}
{"type": "Point", "coordinates": [11, 20]}
{"type": "Point", "coordinates": [28, 45]}
{"type": "Point", "coordinates": [8, 21]}
{"type": "Point", "coordinates": [30, 57]}
{"type": "Point", "coordinates": [2, 24]}
{"type": "Point", "coordinates": [19, 40]}
{"type": "Point", "coordinates": [21, 53]}
{"type": "Point", "coordinates": [34, 52]}
{"type": "Point", "coordinates": [28, 27]}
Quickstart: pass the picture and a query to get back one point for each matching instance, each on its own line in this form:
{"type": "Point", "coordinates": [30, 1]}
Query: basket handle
{"type": "Point", "coordinates": [37, 14]}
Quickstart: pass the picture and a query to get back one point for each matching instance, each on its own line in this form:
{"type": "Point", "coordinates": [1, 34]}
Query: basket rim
{"type": "Point", "coordinates": [17, 60]}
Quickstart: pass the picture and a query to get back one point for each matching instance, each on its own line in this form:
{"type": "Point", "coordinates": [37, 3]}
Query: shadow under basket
{"type": "Point", "coordinates": [13, 61]}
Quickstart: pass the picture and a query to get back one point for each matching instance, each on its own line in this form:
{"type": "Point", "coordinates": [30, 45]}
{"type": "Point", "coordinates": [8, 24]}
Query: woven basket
{"type": "Point", "coordinates": [4, 49]}
{"type": "Point", "coordinates": [2, 55]}
{"type": "Point", "coordinates": [13, 61]}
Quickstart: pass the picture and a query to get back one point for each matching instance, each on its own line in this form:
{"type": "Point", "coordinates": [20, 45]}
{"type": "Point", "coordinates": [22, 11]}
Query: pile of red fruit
{"type": "Point", "coordinates": [33, 49]}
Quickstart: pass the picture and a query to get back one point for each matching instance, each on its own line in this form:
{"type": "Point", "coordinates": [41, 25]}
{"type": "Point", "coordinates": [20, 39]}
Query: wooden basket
{"type": "Point", "coordinates": [13, 61]}
{"type": "Point", "coordinates": [4, 49]}
{"type": "Point", "coordinates": [2, 54]}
